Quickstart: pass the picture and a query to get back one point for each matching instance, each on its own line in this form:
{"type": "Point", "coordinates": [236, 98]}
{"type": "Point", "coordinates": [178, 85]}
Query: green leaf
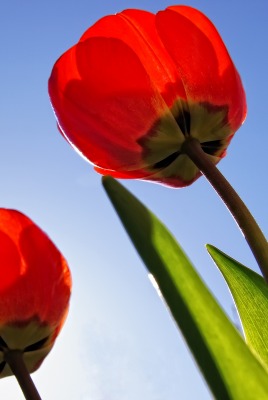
{"type": "Point", "coordinates": [250, 293]}
{"type": "Point", "coordinates": [230, 368]}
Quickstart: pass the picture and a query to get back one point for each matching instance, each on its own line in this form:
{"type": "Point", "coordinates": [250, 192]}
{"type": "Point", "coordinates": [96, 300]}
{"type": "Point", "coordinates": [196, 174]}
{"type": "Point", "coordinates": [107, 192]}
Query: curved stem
{"type": "Point", "coordinates": [14, 358]}
{"type": "Point", "coordinates": [236, 206]}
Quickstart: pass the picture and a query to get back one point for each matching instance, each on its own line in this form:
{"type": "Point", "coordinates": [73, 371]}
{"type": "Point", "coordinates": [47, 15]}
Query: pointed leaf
{"type": "Point", "coordinates": [230, 368]}
{"type": "Point", "coordinates": [250, 293]}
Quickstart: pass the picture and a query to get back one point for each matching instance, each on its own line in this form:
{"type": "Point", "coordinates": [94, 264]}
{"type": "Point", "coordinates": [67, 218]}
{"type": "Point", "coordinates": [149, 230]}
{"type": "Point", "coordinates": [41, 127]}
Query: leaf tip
{"type": "Point", "coordinates": [210, 248]}
{"type": "Point", "coordinates": [105, 179]}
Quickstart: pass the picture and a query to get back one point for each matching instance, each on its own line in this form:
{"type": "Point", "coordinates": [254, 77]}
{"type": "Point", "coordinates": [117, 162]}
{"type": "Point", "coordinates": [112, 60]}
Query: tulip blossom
{"type": "Point", "coordinates": [137, 85]}
{"type": "Point", "coordinates": [35, 286]}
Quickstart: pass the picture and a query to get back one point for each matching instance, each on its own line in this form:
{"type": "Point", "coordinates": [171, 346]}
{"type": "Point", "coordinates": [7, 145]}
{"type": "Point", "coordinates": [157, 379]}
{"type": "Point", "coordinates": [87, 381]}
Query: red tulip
{"type": "Point", "coordinates": [136, 85]}
{"type": "Point", "coordinates": [35, 286]}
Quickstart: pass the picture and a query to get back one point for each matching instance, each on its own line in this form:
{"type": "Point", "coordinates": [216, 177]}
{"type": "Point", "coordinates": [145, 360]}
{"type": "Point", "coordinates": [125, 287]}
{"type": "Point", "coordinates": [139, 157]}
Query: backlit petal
{"type": "Point", "coordinates": [202, 60]}
{"type": "Point", "coordinates": [87, 84]}
{"type": "Point", "coordinates": [136, 28]}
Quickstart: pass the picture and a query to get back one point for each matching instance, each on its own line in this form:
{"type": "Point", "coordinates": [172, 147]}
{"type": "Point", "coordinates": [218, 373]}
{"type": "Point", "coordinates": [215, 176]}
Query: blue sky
{"type": "Point", "coordinates": [119, 341]}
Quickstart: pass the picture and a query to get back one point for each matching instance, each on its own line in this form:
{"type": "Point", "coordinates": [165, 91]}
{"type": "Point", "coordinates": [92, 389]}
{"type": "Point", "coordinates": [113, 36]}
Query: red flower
{"type": "Point", "coordinates": [137, 84]}
{"type": "Point", "coordinates": [35, 286]}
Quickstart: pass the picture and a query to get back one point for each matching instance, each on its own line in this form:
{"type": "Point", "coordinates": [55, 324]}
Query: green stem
{"type": "Point", "coordinates": [238, 209]}
{"type": "Point", "coordinates": [14, 358]}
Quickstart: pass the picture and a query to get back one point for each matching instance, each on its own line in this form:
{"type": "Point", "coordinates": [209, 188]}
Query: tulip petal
{"type": "Point", "coordinates": [29, 246]}
{"type": "Point", "coordinates": [202, 60]}
{"type": "Point", "coordinates": [136, 28]}
{"type": "Point", "coordinates": [87, 83]}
